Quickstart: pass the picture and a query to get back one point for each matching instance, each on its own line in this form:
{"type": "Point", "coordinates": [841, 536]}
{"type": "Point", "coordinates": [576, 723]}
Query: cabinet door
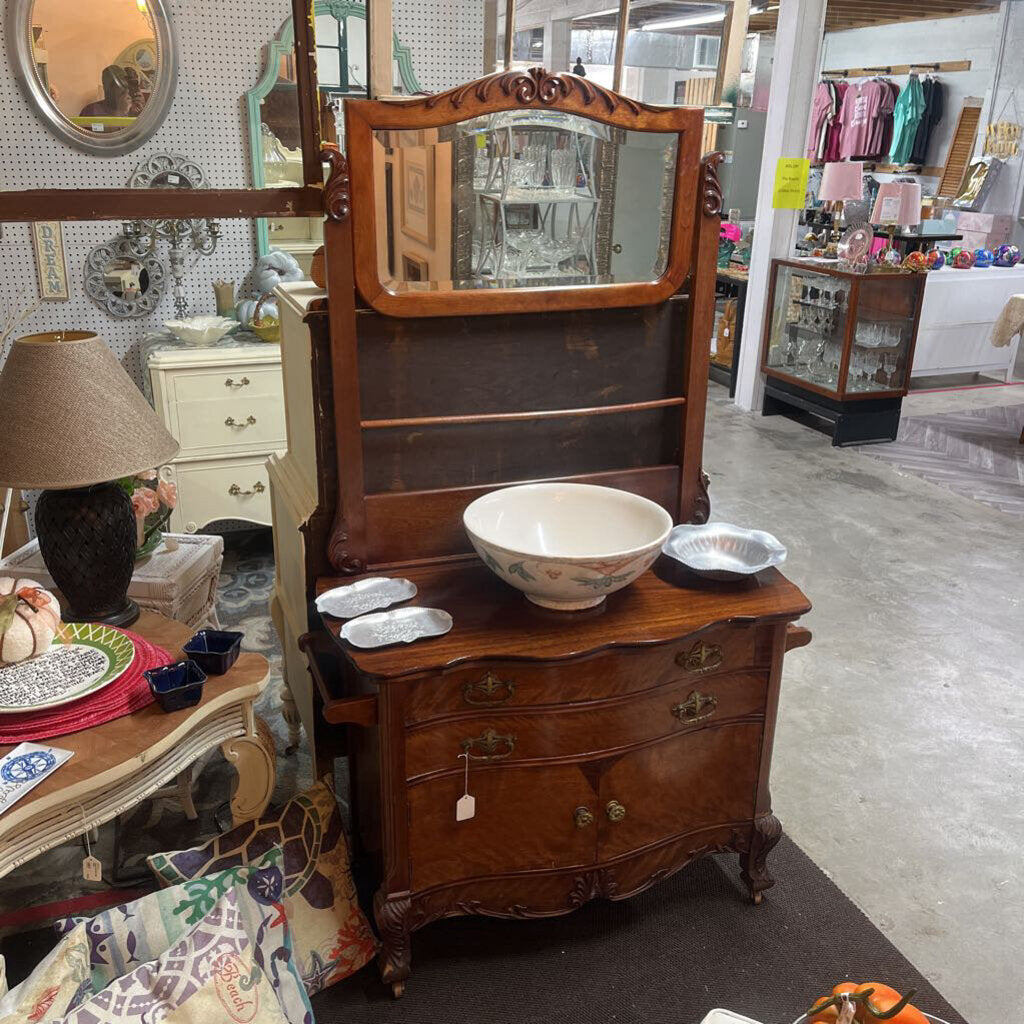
{"type": "Point", "coordinates": [525, 820]}
{"type": "Point", "coordinates": [678, 785]}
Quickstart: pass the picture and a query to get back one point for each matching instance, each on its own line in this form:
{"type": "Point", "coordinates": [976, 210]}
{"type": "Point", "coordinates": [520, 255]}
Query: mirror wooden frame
{"type": "Point", "coordinates": [518, 90]}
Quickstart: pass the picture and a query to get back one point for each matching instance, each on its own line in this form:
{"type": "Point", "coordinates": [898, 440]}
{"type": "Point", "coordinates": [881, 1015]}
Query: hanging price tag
{"type": "Point", "coordinates": [465, 808]}
{"type": "Point", "coordinates": [92, 870]}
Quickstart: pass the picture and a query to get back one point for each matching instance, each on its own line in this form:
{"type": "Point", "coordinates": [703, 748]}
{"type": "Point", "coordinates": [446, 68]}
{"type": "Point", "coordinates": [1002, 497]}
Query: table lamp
{"type": "Point", "coordinates": [73, 423]}
{"type": "Point", "coordinates": [898, 202]}
{"type": "Point", "coordinates": [839, 183]}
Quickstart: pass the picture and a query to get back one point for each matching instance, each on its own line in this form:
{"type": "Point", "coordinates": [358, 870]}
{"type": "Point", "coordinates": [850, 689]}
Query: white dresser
{"type": "Point", "coordinates": [294, 489]}
{"type": "Point", "coordinates": [225, 406]}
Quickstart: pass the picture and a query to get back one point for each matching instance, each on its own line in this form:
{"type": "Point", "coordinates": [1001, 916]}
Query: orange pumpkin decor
{"type": "Point", "coordinates": [874, 1002]}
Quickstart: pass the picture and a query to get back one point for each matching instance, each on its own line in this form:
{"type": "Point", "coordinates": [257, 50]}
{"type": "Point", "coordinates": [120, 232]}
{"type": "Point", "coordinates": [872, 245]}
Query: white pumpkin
{"type": "Point", "coordinates": [32, 616]}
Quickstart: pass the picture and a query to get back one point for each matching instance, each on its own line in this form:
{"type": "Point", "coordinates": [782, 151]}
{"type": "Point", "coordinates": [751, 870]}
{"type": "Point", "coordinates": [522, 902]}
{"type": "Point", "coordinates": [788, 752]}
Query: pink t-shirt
{"type": "Point", "coordinates": [860, 109]}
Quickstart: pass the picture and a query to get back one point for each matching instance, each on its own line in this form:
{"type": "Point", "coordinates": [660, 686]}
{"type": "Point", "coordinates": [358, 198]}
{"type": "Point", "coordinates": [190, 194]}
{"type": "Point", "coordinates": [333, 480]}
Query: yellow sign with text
{"type": "Point", "coordinates": [790, 192]}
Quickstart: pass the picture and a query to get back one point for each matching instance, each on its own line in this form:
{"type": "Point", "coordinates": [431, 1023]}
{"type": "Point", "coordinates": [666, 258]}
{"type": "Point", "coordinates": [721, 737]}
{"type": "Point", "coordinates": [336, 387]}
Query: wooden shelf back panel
{"type": "Point", "coordinates": [460, 366]}
{"type": "Point", "coordinates": [428, 458]}
{"type": "Point", "coordinates": [418, 525]}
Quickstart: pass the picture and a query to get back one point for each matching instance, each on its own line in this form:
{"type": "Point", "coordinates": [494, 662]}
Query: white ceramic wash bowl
{"type": "Point", "coordinates": [721, 551]}
{"type": "Point", "coordinates": [566, 546]}
{"type": "Point", "coordinates": [201, 330]}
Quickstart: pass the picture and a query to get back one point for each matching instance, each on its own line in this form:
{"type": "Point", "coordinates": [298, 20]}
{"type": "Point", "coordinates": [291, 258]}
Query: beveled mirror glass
{"type": "Point", "coordinates": [525, 190]}
{"type": "Point", "coordinates": [524, 199]}
{"type": "Point", "coordinates": [100, 73]}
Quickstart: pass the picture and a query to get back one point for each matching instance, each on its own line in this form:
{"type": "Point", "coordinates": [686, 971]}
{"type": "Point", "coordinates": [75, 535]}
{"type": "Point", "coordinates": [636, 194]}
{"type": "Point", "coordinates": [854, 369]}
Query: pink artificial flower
{"type": "Point", "coordinates": [731, 232]}
{"type": "Point", "coordinates": [167, 493]}
{"type": "Point", "coordinates": [144, 500]}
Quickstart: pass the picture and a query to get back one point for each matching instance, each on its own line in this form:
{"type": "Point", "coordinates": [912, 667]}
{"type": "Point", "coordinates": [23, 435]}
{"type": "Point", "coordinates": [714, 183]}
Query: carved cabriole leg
{"type": "Point", "coordinates": [395, 957]}
{"type": "Point", "coordinates": [289, 709]}
{"type": "Point", "coordinates": [767, 831]}
{"type": "Point", "coordinates": [252, 756]}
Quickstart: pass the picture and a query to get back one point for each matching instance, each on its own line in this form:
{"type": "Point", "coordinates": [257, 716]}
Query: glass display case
{"type": "Point", "coordinates": [840, 346]}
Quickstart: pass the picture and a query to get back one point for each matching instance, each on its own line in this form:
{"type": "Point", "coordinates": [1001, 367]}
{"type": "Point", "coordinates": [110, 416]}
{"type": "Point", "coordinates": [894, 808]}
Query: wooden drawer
{"type": "Point", "coordinates": [524, 821]}
{"type": "Point", "coordinates": [509, 684]}
{"type": "Point", "coordinates": [210, 383]}
{"type": "Point", "coordinates": [679, 785]}
{"type": "Point", "coordinates": [256, 424]}
{"type": "Point", "coordinates": [204, 492]}
{"type": "Point", "coordinates": [686, 705]}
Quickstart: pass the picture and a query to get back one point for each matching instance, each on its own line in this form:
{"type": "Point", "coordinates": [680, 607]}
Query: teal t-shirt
{"type": "Point", "coordinates": [906, 117]}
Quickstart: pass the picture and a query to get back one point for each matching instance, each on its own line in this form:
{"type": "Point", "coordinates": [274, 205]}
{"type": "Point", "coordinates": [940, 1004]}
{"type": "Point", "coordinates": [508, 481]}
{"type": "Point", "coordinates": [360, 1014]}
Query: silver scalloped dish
{"type": "Point", "coordinates": [721, 551]}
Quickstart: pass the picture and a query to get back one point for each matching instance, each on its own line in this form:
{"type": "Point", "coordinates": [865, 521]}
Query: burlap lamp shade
{"type": "Point", "coordinates": [73, 423]}
{"type": "Point", "coordinates": [70, 416]}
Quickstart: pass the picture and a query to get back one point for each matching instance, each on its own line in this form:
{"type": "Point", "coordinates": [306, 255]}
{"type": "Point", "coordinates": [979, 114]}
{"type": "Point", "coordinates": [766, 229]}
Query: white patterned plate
{"type": "Point", "coordinates": [85, 657]}
{"type": "Point", "coordinates": [367, 595]}
{"type": "Point", "coordinates": [398, 626]}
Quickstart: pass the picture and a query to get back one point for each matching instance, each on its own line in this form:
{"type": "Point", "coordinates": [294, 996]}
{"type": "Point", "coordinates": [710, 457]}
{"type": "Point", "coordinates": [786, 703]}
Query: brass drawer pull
{"type": "Point", "coordinates": [701, 657]}
{"type": "Point", "coordinates": [614, 810]}
{"type": "Point", "coordinates": [489, 747]}
{"type": "Point", "coordinates": [583, 816]}
{"type": "Point", "coordinates": [236, 491]}
{"type": "Point", "coordinates": [249, 422]}
{"type": "Point", "coordinates": [696, 707]}
{"type": "Point", "coordinates": [229, 383]}
{"type": "Point", "coordinates": [489, 690]}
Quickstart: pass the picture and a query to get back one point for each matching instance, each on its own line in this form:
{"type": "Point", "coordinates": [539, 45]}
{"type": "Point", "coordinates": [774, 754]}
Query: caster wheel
{"type": "Point", "coordinates": [397, 989]}
{"type": "Point", "coordinates": [757, 898]}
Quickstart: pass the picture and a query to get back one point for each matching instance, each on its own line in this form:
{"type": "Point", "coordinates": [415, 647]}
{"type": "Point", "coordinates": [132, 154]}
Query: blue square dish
{"type": "Point", "coordinates": [214, 650]}
{"type": "Point", "coordinates": [176, 686]}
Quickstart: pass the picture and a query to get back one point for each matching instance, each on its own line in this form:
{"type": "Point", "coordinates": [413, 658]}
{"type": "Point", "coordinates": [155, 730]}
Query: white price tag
{"type": "Point", "coordinates": [890, 210]}
{"type": "Point", "coordinates": [92, 870]}
{"type": "Point", "coordinates": [465, 807]}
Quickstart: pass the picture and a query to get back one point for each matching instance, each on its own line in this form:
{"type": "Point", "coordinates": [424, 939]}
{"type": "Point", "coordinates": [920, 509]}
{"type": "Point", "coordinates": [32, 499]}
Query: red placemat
{"type": "Point", "coordinates": [129, 692]}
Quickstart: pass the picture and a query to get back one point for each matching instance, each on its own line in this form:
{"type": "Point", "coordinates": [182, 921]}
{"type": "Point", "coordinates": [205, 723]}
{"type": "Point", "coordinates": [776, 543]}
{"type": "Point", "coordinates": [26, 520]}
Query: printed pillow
{"type": "Point", "coordinates": [122, 938]}
{"type": "Point", "coordinates": [210, 975]}
{"type": "Point", "coordinates": [56, 986]}
{"type": "Point", "coordinates": [331, 936]}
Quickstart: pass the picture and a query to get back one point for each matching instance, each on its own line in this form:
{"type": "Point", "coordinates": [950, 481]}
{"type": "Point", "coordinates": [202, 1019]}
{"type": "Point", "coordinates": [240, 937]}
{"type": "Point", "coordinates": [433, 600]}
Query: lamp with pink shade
{"type": "Point", "coordinates": [841, 182]}
{"type": "Point", "coordinates": [898, 203]}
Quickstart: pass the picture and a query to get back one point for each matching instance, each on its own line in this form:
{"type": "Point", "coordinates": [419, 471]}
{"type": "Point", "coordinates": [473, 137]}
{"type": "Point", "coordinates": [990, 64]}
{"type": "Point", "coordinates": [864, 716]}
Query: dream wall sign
{"type": "Point", "coordinates": [48, 239]}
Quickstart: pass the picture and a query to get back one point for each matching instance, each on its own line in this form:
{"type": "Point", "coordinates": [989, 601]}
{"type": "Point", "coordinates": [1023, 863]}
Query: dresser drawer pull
{"type": "Point", "coordinates": [489, 690]}
{"type": "Point", "coordinates": [489, 747]}
{"type": "Point", "coordinates": [583, 816]}
{"type": "Point", "coordinates": [250, 421]}
{"type": "Point", "coordinates": [696, 707]}
{"type": "Point", "coordinates": [701, 657]}
{"type": "Point", "coordinates": [229, 383]}
{"type": "Point", "coordinates": [236, 491]}
{"type": "Point", "coordinates": [615, 811]}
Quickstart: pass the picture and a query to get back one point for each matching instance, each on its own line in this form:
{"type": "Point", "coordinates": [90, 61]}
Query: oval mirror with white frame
{"type": "Point", "coordinates": [101, 74]}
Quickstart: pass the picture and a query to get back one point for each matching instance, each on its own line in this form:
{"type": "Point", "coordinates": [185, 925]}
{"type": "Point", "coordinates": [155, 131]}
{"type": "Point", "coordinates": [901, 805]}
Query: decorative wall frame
{"type": "Point", "coordinates": [51, 262]}
{"type": "Point", "coordinates": [118, 257]}
{"type": "Point", "coordinates": [416, 190]}
{"type": "Point", "coordinates": [21, 51]}
{"type": "Point", "coordinates": [167, 170]}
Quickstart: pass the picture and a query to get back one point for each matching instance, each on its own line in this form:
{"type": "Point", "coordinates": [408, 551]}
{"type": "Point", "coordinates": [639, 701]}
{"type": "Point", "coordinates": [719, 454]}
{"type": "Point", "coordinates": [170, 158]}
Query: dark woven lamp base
{"type": "Point", "coordinates": [87, 540]}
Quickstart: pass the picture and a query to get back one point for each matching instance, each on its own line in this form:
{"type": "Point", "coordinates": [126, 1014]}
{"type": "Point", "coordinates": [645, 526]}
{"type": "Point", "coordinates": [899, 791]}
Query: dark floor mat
{"type": "Point", "coordinates": [667, 956]}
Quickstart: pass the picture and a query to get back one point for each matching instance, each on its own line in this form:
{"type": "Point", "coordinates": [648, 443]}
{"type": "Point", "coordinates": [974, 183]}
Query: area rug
{"type": "Point", "coordinates": [974, 453]}
{"type": "Point", "coordinates": [667, 956]}
{"type": "Point", "coordinates": [55, 877]}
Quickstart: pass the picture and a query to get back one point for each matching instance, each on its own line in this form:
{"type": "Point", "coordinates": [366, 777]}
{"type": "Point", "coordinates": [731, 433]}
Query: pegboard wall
{"type": "Point", "coordinates": [221, 51]}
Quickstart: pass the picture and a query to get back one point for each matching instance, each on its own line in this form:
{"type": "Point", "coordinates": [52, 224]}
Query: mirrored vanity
{"type": "Point", "coordinates": [521, 281]}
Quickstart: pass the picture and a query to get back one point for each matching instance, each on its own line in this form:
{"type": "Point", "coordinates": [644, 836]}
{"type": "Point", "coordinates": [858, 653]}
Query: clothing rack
{"type": "Point", "coordinates": [945, 66]}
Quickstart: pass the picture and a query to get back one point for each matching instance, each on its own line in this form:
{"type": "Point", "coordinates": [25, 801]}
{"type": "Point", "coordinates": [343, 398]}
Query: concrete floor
{"type": "Point", "coordinates": [899, 758]}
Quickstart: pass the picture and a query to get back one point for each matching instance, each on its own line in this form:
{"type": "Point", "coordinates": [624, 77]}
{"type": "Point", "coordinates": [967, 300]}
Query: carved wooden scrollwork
{"type": "Point", "coordinates": [702, 502]}
{"type": "Point", "coordinates": [593, 885]}
{"type": "Point", "coordinates": [710, 184]}
{"type": "Point", "coordinates": [337, 192]}
{"type": "Point", "coordinates": [536, 85]}
{"type": "Point", "coordinates": [338, 554]}
{"type": "Point", "coordinates": [393, 920]}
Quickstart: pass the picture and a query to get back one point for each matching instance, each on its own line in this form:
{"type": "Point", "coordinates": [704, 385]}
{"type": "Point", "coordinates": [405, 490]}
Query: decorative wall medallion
{"type": "Point", "coordinates": [123, 282]}
{"type": "Point", "coordinates": [167, 170]}
{"type": "Point", "coordinates": [51, 263]}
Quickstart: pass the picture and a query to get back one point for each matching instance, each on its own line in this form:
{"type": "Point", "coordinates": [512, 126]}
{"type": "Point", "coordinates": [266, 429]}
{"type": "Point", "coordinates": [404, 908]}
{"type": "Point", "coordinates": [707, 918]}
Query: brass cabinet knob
{"type": "Point", "coordinates": [614, 810]}
{"type": "Point", "coordinates": [583, 816]}
{"type": "Point", "coordinates": [696, 707]}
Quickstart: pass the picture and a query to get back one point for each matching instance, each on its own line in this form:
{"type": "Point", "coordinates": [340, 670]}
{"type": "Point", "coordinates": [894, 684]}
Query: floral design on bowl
{"type": "Point", "coordinates": [566, 546]}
